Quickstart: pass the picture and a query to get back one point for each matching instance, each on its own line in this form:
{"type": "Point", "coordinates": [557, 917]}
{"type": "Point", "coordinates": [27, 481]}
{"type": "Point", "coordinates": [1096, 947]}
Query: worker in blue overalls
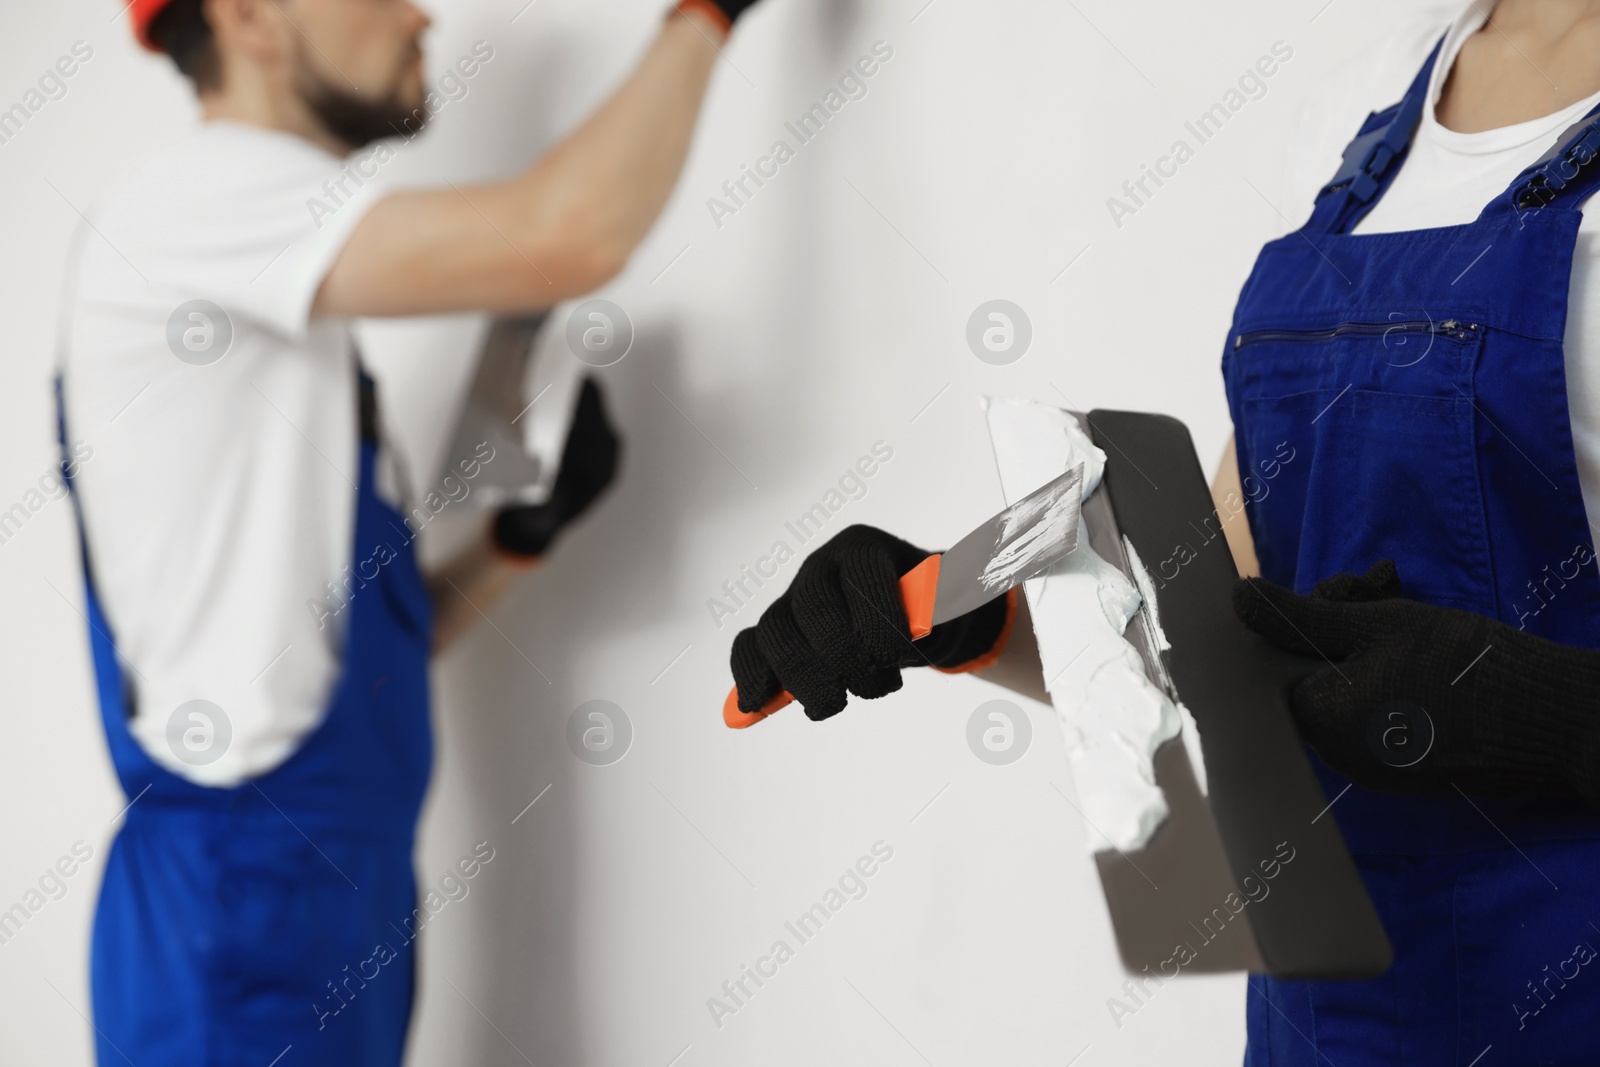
{"type": "Point", "coordinates": [260, 627]}
{"type": "Point", "coordinates": [1427, 344]}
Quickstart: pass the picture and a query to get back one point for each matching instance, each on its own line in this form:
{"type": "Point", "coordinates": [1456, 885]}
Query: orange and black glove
{"type": "Point", "coordinates": [841, 628]}
{"type": "Point", "coordinates": [589, 461]}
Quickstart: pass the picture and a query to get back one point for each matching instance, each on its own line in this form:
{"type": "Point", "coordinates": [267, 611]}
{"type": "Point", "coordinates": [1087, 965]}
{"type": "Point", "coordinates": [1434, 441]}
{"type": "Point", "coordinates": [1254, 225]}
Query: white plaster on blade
{"type": "Point", "coordinates": [1147, 593]}
{"type": "Point", "coordinates": [1152, 622]}
{"type": "Point", "coordinates": [1113, 718]}
{"type": "Point", "coordinates": [1031, 532]}
{"type": "Point", "coordinates": [1191, 745]}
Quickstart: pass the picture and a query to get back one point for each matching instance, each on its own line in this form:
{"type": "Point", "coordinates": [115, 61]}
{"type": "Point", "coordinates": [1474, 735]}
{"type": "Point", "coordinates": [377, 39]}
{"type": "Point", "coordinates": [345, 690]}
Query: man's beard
{"type": "Point", "coordinates": [356, 121]}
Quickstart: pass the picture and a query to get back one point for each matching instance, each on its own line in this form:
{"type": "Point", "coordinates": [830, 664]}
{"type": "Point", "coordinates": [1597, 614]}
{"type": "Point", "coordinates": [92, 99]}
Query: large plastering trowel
{"type": "Point", "coordinates": [1248, 872]}
{"type": "Point", "coordinates": [520, 404]}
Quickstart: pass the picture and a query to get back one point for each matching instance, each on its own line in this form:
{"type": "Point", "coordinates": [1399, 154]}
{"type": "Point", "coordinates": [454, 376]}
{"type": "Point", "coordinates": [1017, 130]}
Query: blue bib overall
{"type": "Point", "coordinates": [1403, 396]}
{"type": "Point", "coordinates": [275, 919]}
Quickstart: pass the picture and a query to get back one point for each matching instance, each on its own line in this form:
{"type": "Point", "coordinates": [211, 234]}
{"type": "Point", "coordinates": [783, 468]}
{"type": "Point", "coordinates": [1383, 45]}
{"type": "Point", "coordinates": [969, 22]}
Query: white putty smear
{"type": "Point", "coordinates": [1152, 621]}
{"type": "Point", "coordinates": [1113, 718]}
{"type": "Point", "coordinates": [1031, 533]}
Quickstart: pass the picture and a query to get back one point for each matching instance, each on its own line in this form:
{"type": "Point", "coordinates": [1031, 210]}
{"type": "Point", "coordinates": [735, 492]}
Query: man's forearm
{"type": "Point", "coordinates": [616, 171]}
{"type": "Point", "coordinates": [559, 230]}
{"type": "Point", "coordinates": [466, 588]}
{"type": "Point", "coordinates": [1227, 493]}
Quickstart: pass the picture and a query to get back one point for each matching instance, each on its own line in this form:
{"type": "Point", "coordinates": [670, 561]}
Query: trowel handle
{"type": "Point", "coordinates": [918, 589]}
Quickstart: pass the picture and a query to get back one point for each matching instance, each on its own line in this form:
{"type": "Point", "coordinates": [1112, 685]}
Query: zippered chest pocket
{"type": "Point", "coordinates": [1357, 443]}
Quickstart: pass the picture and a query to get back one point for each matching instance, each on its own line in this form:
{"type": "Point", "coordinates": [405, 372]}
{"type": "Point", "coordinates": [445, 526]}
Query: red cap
{"type": "Point", "coordinates": [144, 12]}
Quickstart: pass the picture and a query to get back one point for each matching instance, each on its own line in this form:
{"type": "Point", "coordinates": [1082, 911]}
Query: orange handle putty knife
{"type": "Point", "coordinates": [1021, 542]}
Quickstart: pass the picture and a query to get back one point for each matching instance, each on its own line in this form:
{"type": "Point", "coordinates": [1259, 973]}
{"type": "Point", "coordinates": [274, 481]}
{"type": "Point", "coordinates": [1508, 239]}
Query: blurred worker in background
{"type": "Point", "coordinates": [260, 629]}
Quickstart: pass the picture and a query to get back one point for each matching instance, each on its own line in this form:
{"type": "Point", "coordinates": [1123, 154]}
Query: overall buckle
{"type": "Point", "coordinates": [1368, 158]}
{"type": "Point", "coordinates": [1575, 149]}
{"type": "Point", "coordinates": [1559, 173]}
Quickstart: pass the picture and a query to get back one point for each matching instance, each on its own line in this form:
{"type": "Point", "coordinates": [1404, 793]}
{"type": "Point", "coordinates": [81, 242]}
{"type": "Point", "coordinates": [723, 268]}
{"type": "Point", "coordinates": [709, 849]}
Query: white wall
{"type": "Point", "coordinates": [823, 317]}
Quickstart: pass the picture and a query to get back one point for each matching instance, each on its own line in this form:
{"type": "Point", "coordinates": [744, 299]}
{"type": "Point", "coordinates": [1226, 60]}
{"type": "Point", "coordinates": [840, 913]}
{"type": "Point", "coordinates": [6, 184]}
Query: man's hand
{"type": "Point", "coordinates": [1422, 699]}
{"type": "Point", "coordinates": [841, 627]}
{"type": "Point", "coordinates": [588, 465]}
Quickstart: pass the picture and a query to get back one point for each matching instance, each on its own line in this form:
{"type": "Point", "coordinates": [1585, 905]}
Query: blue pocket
{"type": "Point", "coordinates": [1370, 430]}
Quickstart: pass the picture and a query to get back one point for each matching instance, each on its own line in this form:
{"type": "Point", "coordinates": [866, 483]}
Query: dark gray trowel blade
{"type": "Point", "coordinates": [489, 414]}
{"type": "Point", "coordinates": [1021, 542]}
{"type": "Point", "coordinates": [1212, 879]}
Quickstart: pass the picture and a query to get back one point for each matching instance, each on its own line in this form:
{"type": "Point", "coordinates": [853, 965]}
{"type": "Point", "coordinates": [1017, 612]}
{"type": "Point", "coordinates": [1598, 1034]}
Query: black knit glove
{"type": "Point", "coordinates": [842, 627]}
{"type": "Point", "coordinates": [588, 465]}
{"type": "Point", "coordinates": [1421, 699]}
{"type": "Point", "coordinates": [734, 8]}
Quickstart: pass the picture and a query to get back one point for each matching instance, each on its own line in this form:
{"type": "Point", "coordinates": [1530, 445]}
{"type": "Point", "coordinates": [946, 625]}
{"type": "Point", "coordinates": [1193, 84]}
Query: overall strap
{"type": "Point", "coordinates": [1373, 159]}
{"type": "Point", "coordinates": [1564, 177]}
{"type": "Point", "coordinates": [68, 467]}
{"type": "Point", "coordinates": [391, 473]}
{"type": "Point", "coordinates": [116, 688]}
{"type": "Point", "coordinates": [367, 419]}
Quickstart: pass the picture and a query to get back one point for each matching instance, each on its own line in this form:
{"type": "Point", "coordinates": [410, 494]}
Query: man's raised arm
{"type": "Point", "coordinates": [560, 229]}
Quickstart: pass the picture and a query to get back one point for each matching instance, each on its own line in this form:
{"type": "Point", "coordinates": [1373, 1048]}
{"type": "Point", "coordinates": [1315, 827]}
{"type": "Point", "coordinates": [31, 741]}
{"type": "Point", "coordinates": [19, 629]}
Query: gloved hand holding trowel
{"type": "Point", "coordinates": [524, 532]}
{"type": "Point", "coordinates": [1415, 698]}
{"type": "Point", "coordinates": [553, 456]}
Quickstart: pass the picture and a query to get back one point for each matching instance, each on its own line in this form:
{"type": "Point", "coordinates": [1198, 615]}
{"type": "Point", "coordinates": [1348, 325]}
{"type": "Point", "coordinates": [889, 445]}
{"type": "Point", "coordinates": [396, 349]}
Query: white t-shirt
{"type": "Point", "coordinates": [220, 495]}
{"type": "Point", "coordinates": [1448, 177]}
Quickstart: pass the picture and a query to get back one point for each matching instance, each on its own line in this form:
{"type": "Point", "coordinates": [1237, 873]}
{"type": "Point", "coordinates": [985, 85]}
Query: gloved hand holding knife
{"type": "Point", "coordinates": [842, 628]}
{"type": "Point", "coordinates": [867, 604]}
